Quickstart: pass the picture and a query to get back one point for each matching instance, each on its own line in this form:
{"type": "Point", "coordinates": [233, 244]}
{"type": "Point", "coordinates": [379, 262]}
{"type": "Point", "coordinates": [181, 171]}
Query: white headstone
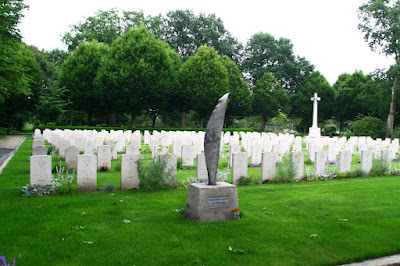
{"type": "Point", "coordinates": [320, 166]}
{"type": "Point", "coordinates": [298, 164]}
{"type": "Point", "coordinates": [87, 173]}
{"type": "Point", "coordinates": [62, 146]}
{"type": "Point", "coordinates": [39, 150]}
{"type": "Point", "coordinates": [129, 171]}
{"type": "Point", "coordinates": [201, 168]}
{"type": "Point", "coordinates": [104, 156]}
{"type": "Point", "coordinates": [187, 155]}
{"type": "Point", "coordinates": [40, 170]}
{"type": "Point", "coordinates": [239, 166]}
{"type": "Point", "coordinates": [268, 166]}
{"type": "Point", "coordinates": [344, 161]}
{"type": "Point", "coordinates": [89, 147]}
{"type": "Point", "coordinates": [233, 149]}
{"type": "Point", "coordinates": [366, 160]}
{"type": "Point", "coordinates": [71, 158]}
{"type": "Point", "coordinates": [171, 168]}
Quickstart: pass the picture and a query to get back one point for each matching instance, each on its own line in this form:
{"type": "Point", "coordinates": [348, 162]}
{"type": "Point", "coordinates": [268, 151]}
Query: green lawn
{"type": "Point", "coordinates": [354, 219]}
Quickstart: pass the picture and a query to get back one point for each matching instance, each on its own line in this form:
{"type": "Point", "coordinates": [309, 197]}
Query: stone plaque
{"type": "Point", "coordinates": [220, 201]}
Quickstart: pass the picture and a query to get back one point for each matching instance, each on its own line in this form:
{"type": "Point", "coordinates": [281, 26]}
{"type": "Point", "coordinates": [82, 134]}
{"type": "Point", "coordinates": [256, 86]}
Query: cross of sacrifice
{"type": "Point", "coordinates": [315, 99]}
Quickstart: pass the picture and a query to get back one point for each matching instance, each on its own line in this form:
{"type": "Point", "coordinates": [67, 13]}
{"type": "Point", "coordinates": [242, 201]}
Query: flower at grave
{"type": "Point", "coordinates": [235, 209]}
{"type": "Point", "coordinates": [104, 167]}
{"type": "Point", "coordinates": [140, 148]}
{"type": "Point", "coordinates": [309, 180]}
{"type": "Point", "coordinates": [254, 165]}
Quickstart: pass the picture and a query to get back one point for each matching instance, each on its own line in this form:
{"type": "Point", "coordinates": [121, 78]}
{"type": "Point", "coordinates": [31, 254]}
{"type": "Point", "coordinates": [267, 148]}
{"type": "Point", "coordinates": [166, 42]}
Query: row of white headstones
{"type": "Point", "coordinates": [264, 149]}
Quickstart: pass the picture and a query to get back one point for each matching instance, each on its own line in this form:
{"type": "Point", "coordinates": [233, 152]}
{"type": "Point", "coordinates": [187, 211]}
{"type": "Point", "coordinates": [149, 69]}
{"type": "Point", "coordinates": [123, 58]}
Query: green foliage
{"type": "Point", "coordinates": [138, 74]}
{"type": "Point", "coordinates": [243, 181]}
{"type": "Point", "coordinates": [268, 98]}
{"type": "Point", "coordinates": [286, 171]}
{"type": "Point", "coordinates": [368, 126]}
{"type": "Point", "coordinates": [301, 104]}
{"type": "Point", "coordinates": [204, 79]}
{"type": "Point", "coordinates": [78, 75]}
{"type": "Point", "coordinates": [263, 53]}
{"type": "Point", "coordinates": [151, 176]}
{"type": "Point", "coordinates": [239, 101]}
{"type": "Point", "coordinates": [380, 166]}
{"type": "Point", "coordinates": [109, 187]}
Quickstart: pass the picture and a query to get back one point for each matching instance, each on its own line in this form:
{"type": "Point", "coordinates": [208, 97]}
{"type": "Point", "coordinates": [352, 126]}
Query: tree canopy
{"type": "Point", "coordinates": [380, 23]}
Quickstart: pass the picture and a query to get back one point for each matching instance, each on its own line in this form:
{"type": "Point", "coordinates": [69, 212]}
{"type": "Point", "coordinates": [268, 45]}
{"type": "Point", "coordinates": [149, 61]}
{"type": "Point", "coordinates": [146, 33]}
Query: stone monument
{"type": "Point", "coordinates": [215, 201]}
{"type": "Point", "coordinates": [315, 131]}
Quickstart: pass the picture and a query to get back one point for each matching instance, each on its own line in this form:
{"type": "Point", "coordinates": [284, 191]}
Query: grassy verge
{"type": "Point", "coordinates": [354, 219]}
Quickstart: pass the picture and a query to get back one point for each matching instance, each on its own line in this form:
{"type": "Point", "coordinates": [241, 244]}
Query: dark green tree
{"type": "Point", "coordinates": [18, 105]}
{"type": "Point", "coordinates": [263, 53]}
{"type": "Point", "coordinates": [269, 98]}
{"type": "Point", "coordinates": [239, 101]}
{"type": "Point", "coordinates": [51, 103]}
{"type": "Point", "coordinates": [12, 79]}
{"type": "Point", "coordinates": [380, 23]}
{"type": "Point", "coordinates": [78, 75]}
{"type": "Point", "coordinates": [204, 79]}
{"type": "Point", "coordinates": [104, 27]}
{"type": "Point", "coordinates": [186, 32]}
{"type": "Point", "coordinates": [141, 70]}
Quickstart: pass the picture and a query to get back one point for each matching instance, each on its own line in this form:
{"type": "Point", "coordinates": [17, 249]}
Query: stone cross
{"type": "Point", "coordinates": [315, 99]}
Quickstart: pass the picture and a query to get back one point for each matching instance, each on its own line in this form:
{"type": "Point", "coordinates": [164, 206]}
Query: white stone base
{"type": "Point", "coordinates": [314, 132]}
{"type": "Point", "coordinates": [208, 203]}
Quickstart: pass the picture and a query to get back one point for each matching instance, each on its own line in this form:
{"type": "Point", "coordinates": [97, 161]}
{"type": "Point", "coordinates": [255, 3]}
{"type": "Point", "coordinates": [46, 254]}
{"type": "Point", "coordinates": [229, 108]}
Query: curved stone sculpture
{"type": "Point", "coordinates": [212, 138]}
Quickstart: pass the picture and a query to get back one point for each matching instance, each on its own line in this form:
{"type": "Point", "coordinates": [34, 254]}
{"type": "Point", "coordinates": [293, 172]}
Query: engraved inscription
{"type": "Point", "coordinates": [220, 201]}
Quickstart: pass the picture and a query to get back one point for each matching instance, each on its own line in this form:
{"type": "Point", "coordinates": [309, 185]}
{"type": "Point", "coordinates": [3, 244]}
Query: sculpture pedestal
{"type": "Point", "coordinates": [207, 203]}
{"type": "Point", "coordinates": [314, 132]}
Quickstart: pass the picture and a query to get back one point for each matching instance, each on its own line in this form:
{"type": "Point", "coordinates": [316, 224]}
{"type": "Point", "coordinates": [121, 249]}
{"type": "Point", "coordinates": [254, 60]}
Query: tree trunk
{"type": "Point", "coordinates": [71, 117]}
{"type": "Point", "coordinates": [113, 119]}
{"type": "Point", "coordinates": [392, 111]}
{"type": "Point", "coordinates": [182, 119]}
{"type": "Point", "coordinates": [8, 123]}
{"type": "Point", "coordinates": [132, 120]}
{"type": "Point", "coordinates": [263, 122]}
{"type": "Point", "coordinates": [154, 118]}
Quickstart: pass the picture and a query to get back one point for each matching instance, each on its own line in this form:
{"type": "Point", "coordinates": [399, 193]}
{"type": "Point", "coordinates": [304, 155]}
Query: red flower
{"type": "Point", "coordinates": [235, 209]}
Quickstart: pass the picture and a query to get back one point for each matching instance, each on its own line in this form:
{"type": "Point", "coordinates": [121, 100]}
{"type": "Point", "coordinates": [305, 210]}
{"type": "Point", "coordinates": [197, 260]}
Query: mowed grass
{"type": "Point", "coordinates": [354, 219]}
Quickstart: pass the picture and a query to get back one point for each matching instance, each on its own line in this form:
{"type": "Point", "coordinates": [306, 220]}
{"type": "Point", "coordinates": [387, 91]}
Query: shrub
{"type": "Point", "coordinates": [152, 176]}
{"type": "Point", "coordinates": [243, 181]}
{"type": "Point", "coordinates": [368, 126]}
{"type": "Point", "coordinates": [286, 171]}
{"type": "Point", "coordinates": [380, 166]}
{"type": "Point", "coordinates": [109, 187]}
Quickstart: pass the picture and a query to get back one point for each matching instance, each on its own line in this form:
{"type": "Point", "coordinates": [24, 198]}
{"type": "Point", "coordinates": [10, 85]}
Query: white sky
{"type": "Point", "coordinates": [323, 31]}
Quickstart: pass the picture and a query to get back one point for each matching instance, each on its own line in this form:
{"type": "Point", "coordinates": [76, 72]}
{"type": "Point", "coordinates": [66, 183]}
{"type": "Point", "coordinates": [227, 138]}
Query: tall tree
{"type": "Point", "coordinates": [380, 23]}
{"type": "Point", "coordinates": [239, 101]}
{"type": "Point", "coordinates": [205, 79]}
{"type": "Point", "coordinates": [12, 79]}
{"type": "Point", "coordinates": [186, 32]}
{"type": "Point", "coordinates": [78, 75]}
{"type": "Point", "coordinates": [141, 70]}
{"type": "Point", "coordinates": [263, 53]}
{"type": "Point", "coordinates": [269, 98]}
{"type": "Point", "coordinates": [104, 27]}
{"type": "Point", "coordinates": [17, 105]}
